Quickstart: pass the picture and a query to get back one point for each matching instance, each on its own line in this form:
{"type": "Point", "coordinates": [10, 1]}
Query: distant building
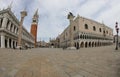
{"type": "Point", "coordinates": [9, 27]}
{"type": "Point", "coordinates": [55, 43]}
{"type": "Point", "coordinates": [42, 44]}
{"type": "Point", "coordinates": [84, 33]}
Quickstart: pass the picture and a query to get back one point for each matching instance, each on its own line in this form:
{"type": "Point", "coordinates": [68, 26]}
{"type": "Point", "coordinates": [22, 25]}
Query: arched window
{"type": "Point", "coordinates": [7, 24]}
{"type": "Point", "coordinates": [107, 32]}
{"type": "Point", "coordinates": [74, 28]}
{"type": "Point", "coordinates": [11, 27]}
{"type": "Point", "coordinates": [1, 22]}
{"type": "Point", "coordinates": [80, 36]}
{"type": "Point", "coordinates": [94, 28]}
{"type": "Point", "coordinates": [14, 29]}
{"type": "Point", "coordinates": [100, 29]}
{"type": "Point", "coordinates": [86, 26]}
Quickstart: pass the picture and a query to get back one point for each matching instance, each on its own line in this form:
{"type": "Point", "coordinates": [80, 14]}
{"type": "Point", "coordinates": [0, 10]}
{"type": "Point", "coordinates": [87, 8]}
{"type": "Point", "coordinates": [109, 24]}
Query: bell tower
{"type": "Point", "coordinates": [34, 26]}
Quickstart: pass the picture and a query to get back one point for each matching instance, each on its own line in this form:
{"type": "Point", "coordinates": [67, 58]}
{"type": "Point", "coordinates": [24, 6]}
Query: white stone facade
{"type": "Point", "coordinates": [9, 26]}
{"type": "Point", "coordinates": [86, 33]}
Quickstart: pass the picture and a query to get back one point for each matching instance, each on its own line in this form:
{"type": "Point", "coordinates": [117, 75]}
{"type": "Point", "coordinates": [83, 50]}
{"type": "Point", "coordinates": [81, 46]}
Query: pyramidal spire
{"type": "Point", "coordinates": [36, 13]}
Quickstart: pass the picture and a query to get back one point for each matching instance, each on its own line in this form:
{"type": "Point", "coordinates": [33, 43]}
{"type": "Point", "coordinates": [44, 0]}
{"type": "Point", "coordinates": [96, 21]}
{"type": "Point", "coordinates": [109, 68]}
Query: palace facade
{"type": "Point", "coordinates": [83, 32]}
{"type": "Point", "coordinates": [9, 27]}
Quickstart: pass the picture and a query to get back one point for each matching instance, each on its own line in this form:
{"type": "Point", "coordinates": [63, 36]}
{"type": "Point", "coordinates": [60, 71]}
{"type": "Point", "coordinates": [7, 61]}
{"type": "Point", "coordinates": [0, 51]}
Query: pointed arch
{"type": "Point", "coordinates": [86, 44]}
{"type": "Point", "coordinates": [82, 44]}
{"type": "Point", "coordinates": [89, 44]}
{"type": "Point", "coordinates": [92, 44]}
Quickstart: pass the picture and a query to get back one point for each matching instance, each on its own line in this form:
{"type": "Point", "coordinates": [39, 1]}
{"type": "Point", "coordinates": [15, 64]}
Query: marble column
{"type": "Point", "coordinates": [8, 43]}
{"type": "Point", "coordinates": [11, 43]}
{"type": "Point", "coordinates": [2, 41]}
{"type": "Point", "coordinates": [16, 30]}
{"type": "Point", "coordinates": [15, 44]}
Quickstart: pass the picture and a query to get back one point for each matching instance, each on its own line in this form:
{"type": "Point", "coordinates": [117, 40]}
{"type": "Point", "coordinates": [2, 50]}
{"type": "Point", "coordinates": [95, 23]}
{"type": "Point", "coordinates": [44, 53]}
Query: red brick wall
{"type": "Point", "coordinates": [34, 32]}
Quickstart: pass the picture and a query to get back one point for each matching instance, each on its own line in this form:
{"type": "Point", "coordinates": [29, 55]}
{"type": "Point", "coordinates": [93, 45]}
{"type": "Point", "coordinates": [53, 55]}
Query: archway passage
{"type": "Point", "coordinates": [86, 45]}
{"type": "Point", "coordinates": [10, 43]}
{"type": "Point", "coordinates": [82, 44]}
{"type": "Point", "coordinates": [89, 44]}
{"type": "Point", "coordinates": [75, 45]}
{"type": "Point", "coordinates": [5, 43]}
{"type": "Point", "coordinates": [92, 44]}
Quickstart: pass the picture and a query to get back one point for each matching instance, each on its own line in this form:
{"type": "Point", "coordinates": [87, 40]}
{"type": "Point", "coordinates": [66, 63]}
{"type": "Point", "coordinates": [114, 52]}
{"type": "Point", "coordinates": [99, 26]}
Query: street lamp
{"type": "Point", "coordinates": [117, 30]}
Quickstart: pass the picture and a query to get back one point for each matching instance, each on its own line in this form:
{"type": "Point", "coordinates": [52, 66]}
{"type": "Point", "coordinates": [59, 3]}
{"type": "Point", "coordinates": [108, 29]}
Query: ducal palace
{"type": "Point", "coordinates": [9, 31]}
{"type": "Point", "coordinates": [84, 32]}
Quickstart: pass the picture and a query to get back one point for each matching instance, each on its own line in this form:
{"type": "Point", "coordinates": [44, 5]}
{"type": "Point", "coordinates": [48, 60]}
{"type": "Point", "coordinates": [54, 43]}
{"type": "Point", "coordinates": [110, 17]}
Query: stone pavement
{"type": "Point", "coordinates": [51, 62]}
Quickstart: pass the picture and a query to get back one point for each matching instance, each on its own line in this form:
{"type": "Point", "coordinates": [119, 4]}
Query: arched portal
{"type": "Point", "coordinates": [82, 44]}
{"type": "Point", "coordinates": [86, 45]}
{"type": "Point", "coordinates": [75, 45]}
{"type": "Point", "coordinates": [92, 44]}
{"type": "Point", "coordinates": [89, 44]}
{"type": "Point", "coordinates": [10, 43]}
{"type": "Point", "coordinates": [5, 43]}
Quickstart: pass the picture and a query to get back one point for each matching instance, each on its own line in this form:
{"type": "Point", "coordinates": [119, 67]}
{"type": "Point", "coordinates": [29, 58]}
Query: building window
{"type": "Point", "coordinates": [11, 27]}
{"type": "Point", "coordinates": [1, 22]}
{"type": "Point", "coordinates": [7, 24]}
{"type": "Point", "coordinates": [94, 28]}
{"type": "Point", "coordinates": [14, 29]}
{"type": "Point", "coordinates": [100, 29]}
{"type": "Point", "coordinates": [107, 32]}
{"type": "Point", "coordinates": [104, 31]}
{"type": "Point", "coordinates": [86, 26]}
{"type": "Point", "coordinates": [74, 28]}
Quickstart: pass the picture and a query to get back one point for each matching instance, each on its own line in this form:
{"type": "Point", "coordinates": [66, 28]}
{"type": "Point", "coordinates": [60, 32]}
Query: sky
{"type": "Point", "coordinates": [53, 13]}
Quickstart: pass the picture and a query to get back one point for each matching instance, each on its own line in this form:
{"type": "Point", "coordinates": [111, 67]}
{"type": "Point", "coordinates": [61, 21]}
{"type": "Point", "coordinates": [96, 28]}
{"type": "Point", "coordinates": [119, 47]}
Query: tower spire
{"type": "Point", "coordinates": [36, 14]}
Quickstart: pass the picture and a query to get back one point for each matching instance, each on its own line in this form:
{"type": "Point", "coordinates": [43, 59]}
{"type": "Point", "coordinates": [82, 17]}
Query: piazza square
{"type": "Point", "coordinates": [59, 38]}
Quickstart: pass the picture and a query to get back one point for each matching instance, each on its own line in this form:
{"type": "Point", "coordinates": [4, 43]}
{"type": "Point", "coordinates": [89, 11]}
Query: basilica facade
{"type": "Point", "coordinates": [83, 33]}
{"type": "Point", "coordinates": [9, 27]}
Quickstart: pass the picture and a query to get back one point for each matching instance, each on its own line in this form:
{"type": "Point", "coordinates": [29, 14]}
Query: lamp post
{"type": "Point", "coordinates": [117, 31]}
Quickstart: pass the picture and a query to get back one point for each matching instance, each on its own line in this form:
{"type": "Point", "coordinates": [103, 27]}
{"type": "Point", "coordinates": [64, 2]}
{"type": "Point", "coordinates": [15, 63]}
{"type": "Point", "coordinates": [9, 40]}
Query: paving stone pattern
{"type": "Point", "coordinates": [54, 62]}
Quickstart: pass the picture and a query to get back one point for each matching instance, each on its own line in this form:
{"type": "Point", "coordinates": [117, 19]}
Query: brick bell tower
{"type": "Point", "coordinates": [34, 26]}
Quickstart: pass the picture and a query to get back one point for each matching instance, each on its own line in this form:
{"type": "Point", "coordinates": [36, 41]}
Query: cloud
{"type": "Point", "coordinates": [53, 14]}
